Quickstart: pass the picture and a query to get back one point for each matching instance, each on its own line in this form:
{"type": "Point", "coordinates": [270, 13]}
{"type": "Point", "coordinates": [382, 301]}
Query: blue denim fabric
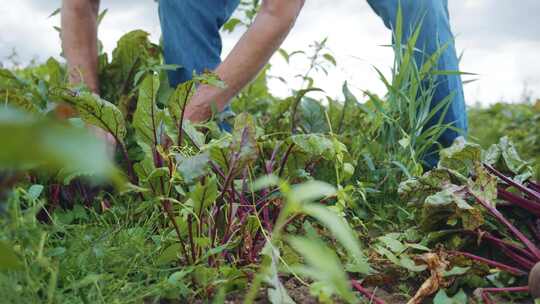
{"type": "Point", "coordinates": [435, 33]}
{"type": "Point", "coordinates": [191, 38]}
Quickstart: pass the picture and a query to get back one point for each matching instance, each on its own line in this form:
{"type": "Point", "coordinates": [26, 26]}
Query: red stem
{"type": "Point", "coordinates": [534, 250]}
{"type": "Point", "coordinates": [506, 289]}
{"type": "Point", "coordinates": [509, 269]}
{"type": "Point", "coordinates": [485, 297]}
{"type": "Point", "coordinates": [270, 163]}
{"type": "Point", "coordinates": [229, 223]}
{"type": "Point", "coordinates": [531, 206]}
{"type": "Point", "coordinates": [520, 260]}
{"type": "Point", "coordinates": [182, 115]}
{"type": "Point", "coordinates": [485, 291]}
{"type": "Point", "coordinates": [190, 235]}
{"type": "Point", "coordinates": [504, 244]}
{"type": "Point", "coordinates": [513, 183]}
{"type": "Point", "coordinates": [535, 228]}
{"type": "Point", "coordinates": [284, 160]}
{"type": "Point", "coordinates": [129, 164]}
{"type": "Point", "coordinates": [535, 186]}
{"type": "Point", "coordinates": [168, 211]}
{"type": "Point", "coordinates": [368, 294]}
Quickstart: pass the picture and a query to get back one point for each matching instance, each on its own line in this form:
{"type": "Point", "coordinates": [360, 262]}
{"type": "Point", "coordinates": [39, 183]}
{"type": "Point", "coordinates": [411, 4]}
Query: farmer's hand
{"type": "Point", "coordinates": [199, 109]}
{"type": "Point", "coordinates": [248, 57]}
{"type": "Point", "coordinates": [198, 112]}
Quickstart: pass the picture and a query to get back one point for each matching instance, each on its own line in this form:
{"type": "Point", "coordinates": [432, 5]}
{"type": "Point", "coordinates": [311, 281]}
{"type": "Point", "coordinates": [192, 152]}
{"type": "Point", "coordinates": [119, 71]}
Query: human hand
{"type": "Point", "coordinates": [197, 112]}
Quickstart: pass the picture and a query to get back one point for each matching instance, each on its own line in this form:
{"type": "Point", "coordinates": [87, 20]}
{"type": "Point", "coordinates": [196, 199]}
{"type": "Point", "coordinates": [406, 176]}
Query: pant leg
{"type": "Point", "coordinates": [435, 33]}
{"type": "Point", "coordinates": [191, 37]}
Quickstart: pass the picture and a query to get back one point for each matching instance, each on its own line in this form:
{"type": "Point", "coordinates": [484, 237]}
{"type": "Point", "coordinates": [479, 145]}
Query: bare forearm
{"type": "Point", "coordinates": [79, 41]}
{"type": "Point", "coordinates": [248, 57]}
{"type": "Point", "coordinates": [252, 52]}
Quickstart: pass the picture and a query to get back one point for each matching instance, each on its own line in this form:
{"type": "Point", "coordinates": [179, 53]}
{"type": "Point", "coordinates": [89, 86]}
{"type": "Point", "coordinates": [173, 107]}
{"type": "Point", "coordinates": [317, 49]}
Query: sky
{"type": "Point", "coordinates": [500, 41]}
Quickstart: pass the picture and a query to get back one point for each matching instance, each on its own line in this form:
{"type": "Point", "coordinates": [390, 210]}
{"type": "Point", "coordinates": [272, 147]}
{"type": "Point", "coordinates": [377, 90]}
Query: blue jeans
{"type": "Point", "coordinates": [191, 39]}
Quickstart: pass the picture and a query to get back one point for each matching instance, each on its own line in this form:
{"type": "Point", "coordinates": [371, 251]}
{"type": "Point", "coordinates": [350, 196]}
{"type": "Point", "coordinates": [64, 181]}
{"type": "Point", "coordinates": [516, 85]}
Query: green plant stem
{"type": "Point", "coordinates": [182, 115]}
{"type": "Point", "coordinates": [167, 208]}
{"type": "Point", "coordinates": [190, 235]}
{"type": "Point", "coordinates": [284, 160]}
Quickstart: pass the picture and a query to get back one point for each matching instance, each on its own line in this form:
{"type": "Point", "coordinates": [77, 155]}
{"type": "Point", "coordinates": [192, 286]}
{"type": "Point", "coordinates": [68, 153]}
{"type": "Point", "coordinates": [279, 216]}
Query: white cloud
{"type": "Point", "coordinates": [28, 30]}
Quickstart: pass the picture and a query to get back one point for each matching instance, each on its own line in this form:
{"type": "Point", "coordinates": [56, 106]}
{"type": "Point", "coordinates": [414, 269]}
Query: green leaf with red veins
{"type": "Point", "coordinates": [148, 119]}
{"type": "Point", "coordinates": [96, 111]}
{"type": "Point", "coordinates": [243, 148]}
{"type": "Point", "coordinates": [448, 207]}
{"type": "Point", "coordinates": [179, 99]}
{"type": "Point", "coordinates": [416, 190]}
{"type": "Point", "coordinates": [132, 52]}
{"type": "Point", "coordinates": [484, 185]}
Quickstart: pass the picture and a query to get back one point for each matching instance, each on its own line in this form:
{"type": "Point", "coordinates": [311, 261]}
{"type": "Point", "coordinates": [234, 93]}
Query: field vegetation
{"type": "Point", "coordinates": [305, 200]}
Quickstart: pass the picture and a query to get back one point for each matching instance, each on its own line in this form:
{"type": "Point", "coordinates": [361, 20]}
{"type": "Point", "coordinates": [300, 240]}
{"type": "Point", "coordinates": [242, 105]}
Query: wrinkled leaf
{"type": "Point", "coordinates": [98, 112]}
{"type": "Point", "coordinates": [417, 189]}
{"type": "Point", "coordinates": [132, 53]}
{"type": "Point", "coordinates": [484, 185]}
{"type": "Point", "coordinates": [505, 157]}
{"type": "Point", "coordinates": [147, 119]}
{"type": "Point", "coordinates": [461, 156]}
{"type": "Point", "coordinates": [315, 145]}
{"type": "Point", "coordinates": [448, 206]}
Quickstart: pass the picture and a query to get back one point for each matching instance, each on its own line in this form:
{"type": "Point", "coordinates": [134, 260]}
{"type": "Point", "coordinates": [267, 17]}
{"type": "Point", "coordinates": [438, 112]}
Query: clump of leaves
{"type": "Point", "coordinates": [514, 121]}
{"type": "Point", "coordinates": [465, 187]}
